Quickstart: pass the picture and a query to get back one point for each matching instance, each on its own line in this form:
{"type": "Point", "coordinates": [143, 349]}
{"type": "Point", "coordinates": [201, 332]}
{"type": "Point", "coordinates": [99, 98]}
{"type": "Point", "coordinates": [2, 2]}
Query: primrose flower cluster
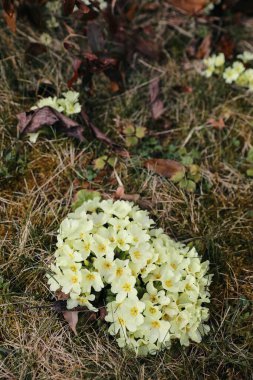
{"type": "Point", "coordinates": [238, 73]}
{"type": "Point", "coordinates": [68, 104]}
{"type": "Point", "coordinates": [154, 288]}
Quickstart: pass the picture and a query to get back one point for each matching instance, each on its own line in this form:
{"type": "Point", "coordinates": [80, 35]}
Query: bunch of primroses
{"type": "Point", "coordinates": [68, 104]}
{"type": "Point", "coordinates": [238, 72]}
{"type": "Point", "coordinates": [154, 288]}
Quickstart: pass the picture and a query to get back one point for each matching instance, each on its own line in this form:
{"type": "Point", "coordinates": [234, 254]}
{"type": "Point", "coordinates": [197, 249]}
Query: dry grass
{"type": "Point", "coordinates": [36, 192]}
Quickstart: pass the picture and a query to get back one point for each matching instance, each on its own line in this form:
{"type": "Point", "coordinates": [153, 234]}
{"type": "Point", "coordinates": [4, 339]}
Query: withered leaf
{"type": "Point", "coordinates": [98, 134]}
{"type": "Point", "coordinates": [34, 50]}
{"type": "Point", "coordinates": [204, 48]}
{"type": "Point", "coordinates": [95, 37]}
{"type": "Point", "coordinates": [190, 6]}
{"type": "Point", "coordinates": [68, 6]}
{"type": "Point", "coordinates": [102, 313]}
{"type": "Point", "coordinates": [226, 45]}
{"type": "Point", "coordinates": [147, 47]}
{"type": "Point", "coordinates": [9, 14]}
{"type": "Point", "coordinates": [8, 6]}
{"type": "Point", "coordinates": [120, 194]}
{"type": "Point", "coordinates": [83, 8]}
{"type": "Point", "coordinates": [166, 168]}
{"type": "Point", "coordinates": [32, 121]}
{"type": "Point", "coordinates": [216, 123]}
{"type": "Point", "coordinates": [72, 318]}
{"type": "Point", "coordinates": [157, 107]}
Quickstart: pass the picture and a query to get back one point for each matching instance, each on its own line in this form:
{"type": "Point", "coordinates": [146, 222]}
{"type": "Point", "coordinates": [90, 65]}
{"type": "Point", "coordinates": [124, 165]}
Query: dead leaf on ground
{"type": "Point", "coordinates": [102, 313]}
{"type": "Point", "coordinates": [226, 45]}
{"type": "Point", "coordinates": [68, 6]}
{"type": "Point", "coordinates": [9, 14]}
{"type": "Point", "coordinates": [32, 121]}
{"type": "Point", "coordinates": [61, 296]}
{"type": "Point", "coordinates": [72, 318]}
{"type": "Point", "coordinates": [216, 123]}
{"type": "Point", "coordinates": [166, 168]}
{"type": "Point", "coordinates": [98, 134]}
{"type": "Point", "coordinates": [120, 194]}
{"type": "Point", "coordinates": [204, 48]}
{"type": "Point", "coordinates": [190, 6]}
{"type": "Point", "coordinates": [157, 106]}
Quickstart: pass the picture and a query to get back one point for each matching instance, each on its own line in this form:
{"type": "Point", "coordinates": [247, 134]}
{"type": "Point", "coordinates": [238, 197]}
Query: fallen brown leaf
{"type": "Point", "coordinates": [98, 134]}
{"type": "Point", "coordinates": [167, 168]}
{"type": "Point", "coordinates": [68, 6]}
{"type": "Point", "coordinates": [32, 121]}
{"type": "Point", "coordinates": [102, 313]}
{"type": "Point", "coordinates": [204, 48]}
{"type": "Point", "coordinates": [190, 6]}
{"type": "Point", "coordinates": [216, 123]}
{"type": "Point", "coordinates": [9, 14]}
{"type": "Point", "coordinates": [120, 194]}
{"type": "Point", "coordinates": [72, 318]}
{"type": "Point", "coordinates": [226, 45]}
{"type": "Point", "coordinates": [157, 107]}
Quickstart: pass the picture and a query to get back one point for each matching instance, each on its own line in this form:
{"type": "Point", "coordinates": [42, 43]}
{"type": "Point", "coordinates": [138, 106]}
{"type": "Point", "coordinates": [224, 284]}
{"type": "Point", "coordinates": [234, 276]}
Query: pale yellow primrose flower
{"type": "Point", "coordinates": [213, 64]}
{"type": "Point", "coordinates": [246, 56]}
{"type": "Point", "coordinates": [156, 286]}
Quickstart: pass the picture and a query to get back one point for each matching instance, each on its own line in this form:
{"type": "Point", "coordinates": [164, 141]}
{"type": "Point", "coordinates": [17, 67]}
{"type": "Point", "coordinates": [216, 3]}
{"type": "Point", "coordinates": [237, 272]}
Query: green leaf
{"type": "Point", "coordinates": [187, 160]}
{"type": "Point", "coordinates": [99, 163]}
{"type": "Point", "coordinates": [83, 196]}
{"type": "Point", "coordinates": [140, 132]}
{"type": "Point", "coordinates": [112, 161]}
{"type": "Point", "coordinates": [250, 172]}
{"type": "Point", "coordinates": [131, 141]}
{"type": "Point", "coordinates": [250, 155]}
{"type": "Point", "coordinates": [187, 185]}
{"type": "Point", "coordinates": [129, 129]}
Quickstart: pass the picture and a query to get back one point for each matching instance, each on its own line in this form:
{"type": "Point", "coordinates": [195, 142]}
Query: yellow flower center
{"type": "Point", "coordinates": [188, 287]}
{"type": "Point", "coordinates": [134, 311]}
{"type": "Point", "coordinates": [86, 246]}
{"type": "Point", "coordinates": [121, 321]}
{"type": "Point", "coordinates": [107, 265]}
{"type": "Point", "coordinates": [153, 298]}
{"type": "Point", "coordinates": [136, 239]}
{"type": "Point", "coordinates": [73, 268]}
{"type": "Point", "coordinates": [121, 242]}
{"type": "Point", "coordinates": [119, 272]}
{"type": "Point", "coordinates": [82, 300]}
{"type": "Point", "coordinates": [102, 248]}
{"type": "Point", "coordinates": [168, 283]}
{"type": "Point", "coordinates": [137, 255]}
{"type": "Point", "coordinates": [155, 324]}
{"type": "Point", "coordinates": [82, 235]}
{"type": "Point", "coordinates": [90, 277]}
{"type": "Point", "coordinates": [173, 266]}
{"type": "Point", "coordinates": [74, 279]}
{"type": "Point", "coordinates": [152, 310]}
{"type": "Point", "coordinates": [126, 287]}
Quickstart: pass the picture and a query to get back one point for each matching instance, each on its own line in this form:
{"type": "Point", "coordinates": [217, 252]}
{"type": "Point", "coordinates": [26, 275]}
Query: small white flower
{"type": "Point", "coordinates": [81, 300]}
{"type": "Point", "coordinates": [46, 39]}
{"type": "Point", "coordinates": [124, 287]}
{"type": "Point", "coordinates": [246, 56]}
{"type": "Point", "coordinates": [91, 280]}
{"type": "Point", "coordinates": [230, 75]}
